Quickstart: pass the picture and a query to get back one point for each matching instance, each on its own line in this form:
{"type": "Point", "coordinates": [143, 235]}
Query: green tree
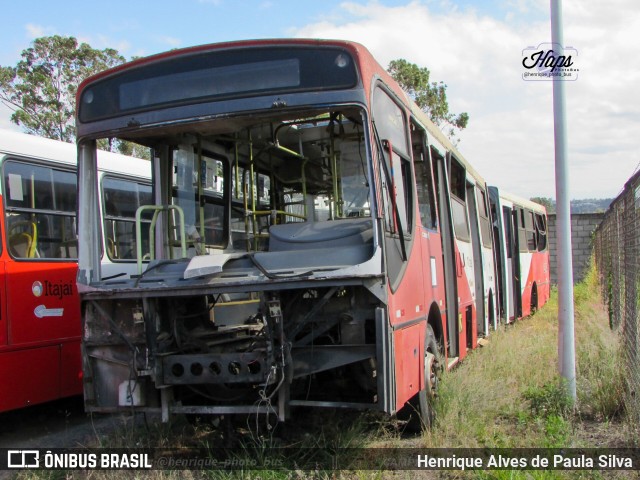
{"type": "Point", "coordinates": [431, 97]}
{"type": "Point", "coordinates": [41, 88]}
{"type": "Point", "coordinates": [125, 148]}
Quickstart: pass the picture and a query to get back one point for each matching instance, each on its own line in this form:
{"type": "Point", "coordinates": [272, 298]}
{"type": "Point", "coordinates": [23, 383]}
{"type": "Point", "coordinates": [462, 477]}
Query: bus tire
{"type": "Point", "coordinates": [534, 299]}
{"type": "Point", "coordinates": [422, 414]}
{"type": "Point", "coordinates": [433, 366]}
{"type": "Point", "coordinates": [493, 324]}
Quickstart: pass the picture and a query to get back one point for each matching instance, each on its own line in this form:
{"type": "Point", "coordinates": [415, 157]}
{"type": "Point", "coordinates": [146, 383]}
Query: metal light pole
{"type": "Point", "coordinates": [566, 340]}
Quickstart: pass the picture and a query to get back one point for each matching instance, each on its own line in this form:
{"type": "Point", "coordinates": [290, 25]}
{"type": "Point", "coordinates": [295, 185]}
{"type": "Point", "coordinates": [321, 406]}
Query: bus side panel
{"type": "Point", "coordinates": [29, 377]}
{"type": "Point", "coordinates": [70, 369]}
{"type": "Point", "coordinates": [544, 290]}
{"type": "Point", "coordinates": [44, 306]}
{"type": "Point", "coordinates": [526, 272]}
{"type": "Point", "coordinates": [467, 332]}
{"type": "Point", "coordinates": [538, 274]}
{"type": "Point", "coordinates": [3, 310]}
{"type": "Point", "coordinates": [490, 285]}
{"type": "Point", "coordinates": [434, 288]}
{"type": "Point", "coordinates": [406, 305]}
{"type": "Point", "coordinates": [409, 341]}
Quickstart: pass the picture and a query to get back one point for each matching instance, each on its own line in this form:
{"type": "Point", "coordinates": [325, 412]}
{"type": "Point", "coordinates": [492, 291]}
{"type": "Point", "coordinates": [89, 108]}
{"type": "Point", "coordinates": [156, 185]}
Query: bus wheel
{"type": "Point", "coordinates": [433, 366]}
{"type": "Point", "coordinates": [422, 414]}
{"type": "Point", "coordinates": [493, 325]}
{"type": "Point", "coordinates": [534, 299]}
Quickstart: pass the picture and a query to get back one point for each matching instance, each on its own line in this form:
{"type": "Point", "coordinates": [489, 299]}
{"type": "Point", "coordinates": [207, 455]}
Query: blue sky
{"type": "Point", "coordinates": [145, 27]}
{"type": "Point", "coordinates": [475, 47]}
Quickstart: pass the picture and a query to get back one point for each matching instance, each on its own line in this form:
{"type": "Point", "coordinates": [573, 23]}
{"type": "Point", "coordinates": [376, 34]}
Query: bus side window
{"type": "Point", "coordinates": [459, 203]}
{"type": "Point", "coordinates": [522, 231]}
{"type": "Point", "coordinates": [210, 216]}
{"type": "Point", "coordinates": [541, 229]}
{"type": "Point", "coordinates": [40, 206]}
{"type": "Point", "coordinates": [253, 232]}
{"type": "Point", "coordinates": [483, 213]}
{"type": "Point", "coordinates": [508, 233]}
{"type": "Point", "coordinates": [22, 237]}
{"type": "Point", "coordinates": [531, 231]}
{"type": "Point", "coordinates": [398, 193]}
{"type": "Point", "coordinates": [424, 179]}
{"type": "Point", "coordinates": [122, 198]}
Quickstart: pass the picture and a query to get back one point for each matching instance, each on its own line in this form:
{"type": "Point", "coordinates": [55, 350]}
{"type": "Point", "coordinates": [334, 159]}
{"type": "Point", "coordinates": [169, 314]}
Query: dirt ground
{"type": "Point", "coordinates": [59, 424]}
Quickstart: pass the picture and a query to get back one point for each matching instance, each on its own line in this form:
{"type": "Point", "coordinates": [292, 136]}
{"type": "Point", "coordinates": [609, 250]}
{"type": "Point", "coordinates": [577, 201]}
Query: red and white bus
{"type": "Point", "coordinates": [39, 304]}
{"type": "Point", "coordinates": [522, 254]}
{"type": "Point", "coordinates": [316, 240]}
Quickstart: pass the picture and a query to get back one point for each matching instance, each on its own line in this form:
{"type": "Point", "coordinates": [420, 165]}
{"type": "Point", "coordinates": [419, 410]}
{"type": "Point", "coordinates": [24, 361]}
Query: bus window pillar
{"type": "Point", "coordinates": [161, 171]}
{"type": "Point", "coordinates": [88, 215]}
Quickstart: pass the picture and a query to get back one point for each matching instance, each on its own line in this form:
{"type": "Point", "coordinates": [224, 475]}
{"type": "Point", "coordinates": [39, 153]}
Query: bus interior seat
{"type": "Point", "coordinates": [23, 244]}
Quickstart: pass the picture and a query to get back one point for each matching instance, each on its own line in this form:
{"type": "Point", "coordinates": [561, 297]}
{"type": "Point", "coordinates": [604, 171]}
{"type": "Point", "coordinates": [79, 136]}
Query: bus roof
{"type": "Point", "coordinates": [520, 201]}
{"type": "Point", "coordinates": [40, 148]}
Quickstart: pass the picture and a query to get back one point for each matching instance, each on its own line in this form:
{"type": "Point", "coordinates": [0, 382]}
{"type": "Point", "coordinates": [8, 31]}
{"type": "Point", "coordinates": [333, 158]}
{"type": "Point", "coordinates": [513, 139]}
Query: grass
{"type": "Point", "coordinates": [483, 403]}
{"type": "Point", "coordinates": [599, 357]}
{"type": "Point", "coordinates": [509, 394]}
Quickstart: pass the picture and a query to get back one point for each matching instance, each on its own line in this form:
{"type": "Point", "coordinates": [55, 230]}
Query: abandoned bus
{"type": "Point", "coordinates": [522, 254]}
{"type": "Point", "coordinates": [302, 209]}
{"type": "Point", "coordinates": [40, 309]}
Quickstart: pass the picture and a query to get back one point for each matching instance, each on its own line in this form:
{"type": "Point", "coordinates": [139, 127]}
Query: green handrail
{"type": "Point", "coordinates": [157, 209]}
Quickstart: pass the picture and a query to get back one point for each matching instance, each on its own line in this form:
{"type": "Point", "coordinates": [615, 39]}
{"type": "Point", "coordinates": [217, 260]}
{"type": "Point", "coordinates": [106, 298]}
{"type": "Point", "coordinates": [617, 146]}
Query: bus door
{"type": "Point", "coordinates": [506, 252]}
{"type": "Point", "coordinates": [519, 239]}
{"type": "Point", "coordinates": [448, 252]}
{"type": "Point", "coordinates": [476, 243]}
{"type": "Point", "coordinates": [429, 237]}
{"type": "Point", "coordinates": [463, 251]}
{"type": "Point", "coordinates": [511, 262]}
{"type": "Point", "coordinates": [499, 253]}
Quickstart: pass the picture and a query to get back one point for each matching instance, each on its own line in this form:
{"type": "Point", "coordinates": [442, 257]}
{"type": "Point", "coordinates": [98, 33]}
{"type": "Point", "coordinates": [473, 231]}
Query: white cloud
{"type": "Point", "coordinates": [510, 134]}
{"type": "Point", "coordinates": [103, 41]}
{"type": "Point", "coordinates": [36, 31]}
{"type": "Point", "coordinates": [172, 42]}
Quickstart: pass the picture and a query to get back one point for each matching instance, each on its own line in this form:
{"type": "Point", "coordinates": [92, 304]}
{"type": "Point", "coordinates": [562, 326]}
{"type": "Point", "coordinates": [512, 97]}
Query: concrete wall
{"type": "Point", "coordinates": [582, 226]}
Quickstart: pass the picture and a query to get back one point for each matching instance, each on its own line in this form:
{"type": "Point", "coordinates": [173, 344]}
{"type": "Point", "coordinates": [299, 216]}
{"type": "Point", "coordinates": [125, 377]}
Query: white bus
{"type": "Point", "coordinates": [39, 304]}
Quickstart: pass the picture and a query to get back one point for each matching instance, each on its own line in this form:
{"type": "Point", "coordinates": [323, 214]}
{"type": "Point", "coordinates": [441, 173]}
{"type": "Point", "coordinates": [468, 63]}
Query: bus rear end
{"type": "Point", "coordinates": [40, 317]}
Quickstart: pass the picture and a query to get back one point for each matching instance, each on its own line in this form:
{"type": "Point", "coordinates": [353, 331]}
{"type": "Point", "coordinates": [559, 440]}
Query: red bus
{"type": "Point", "coordinates": [39, 304]}
{"type": "Point", "coordinates": [316, 240]}
{"type": "Point", "coordinates": [522, 254]}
